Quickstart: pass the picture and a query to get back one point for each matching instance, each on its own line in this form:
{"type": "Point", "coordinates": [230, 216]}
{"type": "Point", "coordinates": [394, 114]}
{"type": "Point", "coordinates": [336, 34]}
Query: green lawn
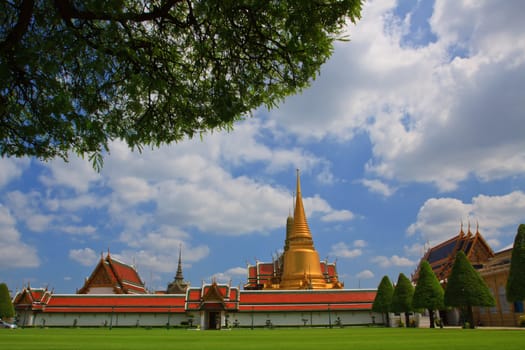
{"type": "Point", "coordinates": [268, 339]}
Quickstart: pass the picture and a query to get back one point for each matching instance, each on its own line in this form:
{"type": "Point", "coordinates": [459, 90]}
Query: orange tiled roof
{"type": "Point", "coordinates": [302, 300]}
{"type": "Point", "coordinates": [112, 273]}
{"type": "Point", "coordinates": [115, 303]}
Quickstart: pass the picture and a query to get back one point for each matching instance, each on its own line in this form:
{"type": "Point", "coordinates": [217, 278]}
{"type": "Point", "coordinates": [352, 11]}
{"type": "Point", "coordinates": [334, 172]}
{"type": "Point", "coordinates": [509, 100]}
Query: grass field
{"type": "Point", "coordinates": [268, 339]}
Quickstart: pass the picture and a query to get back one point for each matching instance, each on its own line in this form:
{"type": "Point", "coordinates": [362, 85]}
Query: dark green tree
{"type": "Point", "coordinates": [466, 288]}
{"type": "Point", "coordinates": [428, 293]}
{"type": "Point", "coordinates": [402, 297]}
{"type": "Point", "coordinates": [516, 280]}
{"type": "Point", "coordinates": [75, 75]}
{"type": "Point", "coordinates": [6, 305]}
{"type": "Point", "coordinates": [383, 299]}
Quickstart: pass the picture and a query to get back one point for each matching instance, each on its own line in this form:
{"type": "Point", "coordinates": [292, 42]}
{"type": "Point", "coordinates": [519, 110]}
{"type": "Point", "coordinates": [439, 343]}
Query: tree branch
{"type": "Point", "coordinates": [24, 18]}
{"type": "Point", "coordinates": [68, 11]}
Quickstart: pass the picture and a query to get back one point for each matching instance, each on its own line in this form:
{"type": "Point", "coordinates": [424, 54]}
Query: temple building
{"type": "Point", "coordinates": [112, 276]}
{"type": "Point", "coordinates": [297, 289]}
{"type": "Point", "coordinates": [493, 268]}
{"type": "Point", "coordinates": [441, 257]}
{"type": "Point", "coordinates": [299, 266]}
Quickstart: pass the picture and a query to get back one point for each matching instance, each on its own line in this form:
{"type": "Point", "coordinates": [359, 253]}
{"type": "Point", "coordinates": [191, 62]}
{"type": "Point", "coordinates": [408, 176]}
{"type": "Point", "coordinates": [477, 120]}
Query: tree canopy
{"type": "Point", "coordinates": [466, 288]}
{"type": "Point", "coordinates": [402, 297]}
{"type": "Point", "coordinates": [6, 305]}
{"type": "Point", "coordinates": [383, 300]}
{"type": "Point", "coordinates": [428, 293]}
{"type": "Point", "coordinates": [516, 280]}
{"type": "Point", "coordinates": [75, 75]}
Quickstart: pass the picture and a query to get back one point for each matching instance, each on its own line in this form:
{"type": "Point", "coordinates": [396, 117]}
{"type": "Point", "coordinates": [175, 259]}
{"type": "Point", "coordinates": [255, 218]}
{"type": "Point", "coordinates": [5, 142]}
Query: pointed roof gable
{"type": "Point", "coordinates": [114, 275]}
{"type": "Point", "coordinates": [212, 296]}
{"type": "Point", "coordinates": [441, 257]}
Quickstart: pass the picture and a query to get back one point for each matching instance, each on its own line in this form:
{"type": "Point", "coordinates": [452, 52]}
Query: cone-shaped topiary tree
{"type": "Point", "coordinates": [383, 300]}
{"type": "Point", "coordinates": [428, 293]}
{"type": "Point", "coordinates": [402, 297]}
{"type": "Point", "coordinates": [7, 310]}
{"type": "Point", "coordinates": [465, 289]}
{"type": "Point", "coordinates": [516, 280]}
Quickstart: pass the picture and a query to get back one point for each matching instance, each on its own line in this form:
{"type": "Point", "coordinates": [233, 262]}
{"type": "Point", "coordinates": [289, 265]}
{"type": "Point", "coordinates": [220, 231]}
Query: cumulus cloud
{"type": "Point", "coordinates": [365, 274]}
{"type": "Point", "coordinates": [342, 250]}
{"type": "Point", "coordinates": [394, 260]}
{"type": "Point", "coordinates": [235, 273]}
{"type": "Point", "coordinates": [77, 174]}
{"type": "Point", "coordinates": [14, 253]}
{"type": "Point", "coordinates": [11, 168]}
{"type": "Point", "coordinates": [359, 243]}
{"type": "Point", "coordinates": [440, 218]}
{"type": "Point", "coordinates": [338, 215]}
{"type": "Point", "coordinates": [435, 113]}
{"type": "Point", "coordinates": [377, 186]}
{"type": "Point", "coordinates": [84, 256]}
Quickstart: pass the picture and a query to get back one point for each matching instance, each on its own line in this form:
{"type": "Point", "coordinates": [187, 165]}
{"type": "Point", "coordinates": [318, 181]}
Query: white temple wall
{"type": "Point", "coordinates": [104, 320]}
{"type": "Point", "coordinates": [242, 319]}
{"type": "Point", "coordinates": [315, 318]}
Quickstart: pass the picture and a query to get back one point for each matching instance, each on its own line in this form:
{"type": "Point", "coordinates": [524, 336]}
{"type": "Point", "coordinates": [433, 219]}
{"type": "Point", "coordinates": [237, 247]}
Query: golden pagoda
{"type": "Point", "coordinates": [301, 266]}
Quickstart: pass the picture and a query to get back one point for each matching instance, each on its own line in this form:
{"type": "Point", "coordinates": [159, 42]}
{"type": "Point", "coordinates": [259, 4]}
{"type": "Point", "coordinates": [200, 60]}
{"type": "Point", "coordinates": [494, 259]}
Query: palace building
{"type": "Point", "coordinates": [297, 289]}
{"type": "Point", "coordinates": [493, 268]}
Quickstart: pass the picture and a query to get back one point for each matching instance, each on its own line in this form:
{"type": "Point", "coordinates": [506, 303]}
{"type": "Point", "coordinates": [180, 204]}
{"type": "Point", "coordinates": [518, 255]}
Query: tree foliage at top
{"type": "Point", "coordinates": [75, 75]}
{"type": "Point", "coordinates": [402, 297]}
{"type": "Point", "coordinates": [383, 300]}
{"type": "Point", "coordinates": [6, 305]}
{"type": "Point", "coordinates": [428, 293]}
{"type": "Point", "coordinates": [516, 280]}
{"type": "Point", "coordinates": [466, 288]}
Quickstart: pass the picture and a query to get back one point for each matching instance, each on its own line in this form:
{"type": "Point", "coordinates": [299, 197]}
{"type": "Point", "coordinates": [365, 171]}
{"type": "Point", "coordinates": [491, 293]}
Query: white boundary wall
{"type": "Point", "coordinates": [241, 319]}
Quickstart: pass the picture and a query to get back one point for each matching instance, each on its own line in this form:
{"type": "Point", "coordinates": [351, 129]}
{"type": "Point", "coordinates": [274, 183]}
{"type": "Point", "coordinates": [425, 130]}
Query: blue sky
{"type": "Point", "coordinates": [414, 126]}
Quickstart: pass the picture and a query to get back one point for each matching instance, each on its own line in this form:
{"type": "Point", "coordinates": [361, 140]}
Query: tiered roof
{"type": "Point", "coordinates": [213, 296]}
{"type": "Point", "coordinates": [112, 274]}
{"type": "Point", "coordinates": [32, 298]}
{"type": "Point", "coordinates": [441, 257]}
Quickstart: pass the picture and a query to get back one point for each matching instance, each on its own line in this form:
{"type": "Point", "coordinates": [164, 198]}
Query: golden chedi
{"type": "Point", "coordinates": [301, 266]}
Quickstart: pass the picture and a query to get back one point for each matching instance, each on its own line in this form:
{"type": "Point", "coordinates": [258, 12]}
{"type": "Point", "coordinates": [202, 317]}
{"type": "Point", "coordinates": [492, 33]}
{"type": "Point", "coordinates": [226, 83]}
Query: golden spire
{"type": "Point", "coordinates": [300, 224]}
{"type": "Point", "coordinates": [301, 263]}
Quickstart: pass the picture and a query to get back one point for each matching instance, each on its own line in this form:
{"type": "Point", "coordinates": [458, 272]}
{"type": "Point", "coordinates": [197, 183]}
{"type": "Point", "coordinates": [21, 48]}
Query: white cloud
{"type": "Point", "coordinates": [11, 168]}
{"type": "Point", "coordinates": [14, 253]}
{"type": "Point", "coordinates": [79, 230]}
{"type": "Point", "coordinates": [378, 186]}
{"type": "Point", "coordinates": [234, 273]}
{"type": "Point", "coordinates": [342, 250]}
{"type": "Point", "coordinates": [437, 113]}
{"type": "Point", "coordinates": [85, 256]}
{"type": "Point", "coordinates": [394, 260]}
{"type": "Point", "coordinates": [498, 216]}
{"type": "Point", "coordinates": [365, 274]}
{"type": "Point", "coordinates": [359, 243]}
{"type": "Point", "coordinates": [77, 174]}
{"type": "Point", "coordinates": [338, 215]}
